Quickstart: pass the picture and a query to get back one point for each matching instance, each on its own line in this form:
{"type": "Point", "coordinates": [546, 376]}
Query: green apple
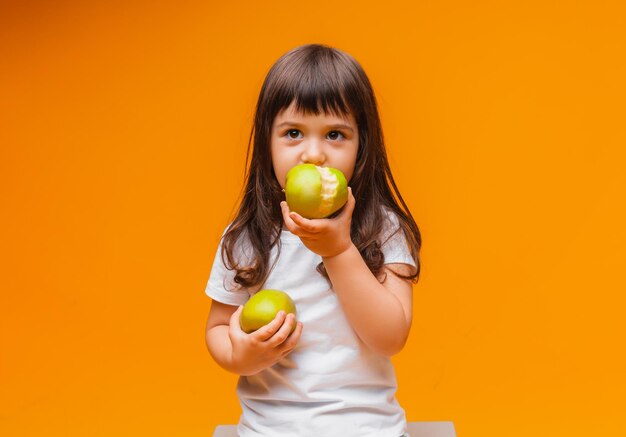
{"type": "Point", "coordinates": [315, 192]}
{"type": "Point", "coordinates": [262, 308]}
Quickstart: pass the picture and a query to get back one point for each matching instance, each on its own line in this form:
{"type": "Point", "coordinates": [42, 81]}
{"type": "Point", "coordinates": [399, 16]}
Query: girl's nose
{"type": "Point", "coordinates": [313, 154]}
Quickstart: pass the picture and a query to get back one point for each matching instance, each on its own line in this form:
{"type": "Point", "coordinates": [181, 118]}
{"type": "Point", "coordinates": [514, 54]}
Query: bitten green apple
{"type": "Point", "coordinates": [315, 192]}
{"type": "Point", "coordinates": [262, 308]}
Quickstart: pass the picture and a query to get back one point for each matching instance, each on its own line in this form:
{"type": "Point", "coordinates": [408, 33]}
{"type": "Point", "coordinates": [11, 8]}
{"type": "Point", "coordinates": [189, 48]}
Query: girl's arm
{"type": "Point", "coordinates": [217, 341]}
{"type": "Point", "coordinates": [247, 354]}
{"type": "Point", "coordinates": [381, 314]}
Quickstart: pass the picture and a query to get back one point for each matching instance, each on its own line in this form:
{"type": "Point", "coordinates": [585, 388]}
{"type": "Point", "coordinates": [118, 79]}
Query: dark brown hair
{"type": "Point", "coordinates": [318, 78]}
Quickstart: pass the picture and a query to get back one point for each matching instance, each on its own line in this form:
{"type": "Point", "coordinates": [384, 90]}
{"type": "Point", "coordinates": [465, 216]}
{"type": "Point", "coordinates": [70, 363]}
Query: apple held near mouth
{"type": "Point", "coordinates": [262, 308]}
{"type": "Point", "coordinates": [315, 192]}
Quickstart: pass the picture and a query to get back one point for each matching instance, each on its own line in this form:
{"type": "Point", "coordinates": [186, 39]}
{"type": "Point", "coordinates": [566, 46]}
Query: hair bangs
{"type": "Point", "coordinates": [322, 96]}
{"type": "Point", "coordinates": [315, 85]}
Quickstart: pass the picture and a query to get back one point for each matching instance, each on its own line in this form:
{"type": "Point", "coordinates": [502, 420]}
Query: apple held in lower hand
{"type": "Point", "coordinates": [262, 308]}
{"type": "Point", "coordinates": [315, 192]}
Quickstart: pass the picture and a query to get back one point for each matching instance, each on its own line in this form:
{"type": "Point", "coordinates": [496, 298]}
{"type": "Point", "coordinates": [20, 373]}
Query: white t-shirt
{"type": "Point", "coordinates": [331, 384]}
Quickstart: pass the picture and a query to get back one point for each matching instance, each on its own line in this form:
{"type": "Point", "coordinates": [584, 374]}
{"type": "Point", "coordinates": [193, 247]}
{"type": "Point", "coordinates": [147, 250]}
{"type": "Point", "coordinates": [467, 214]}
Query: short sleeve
{"type": "Point", "coordinates": [221, 285]}
{"type": "Point", "coordinates": [394, 243]}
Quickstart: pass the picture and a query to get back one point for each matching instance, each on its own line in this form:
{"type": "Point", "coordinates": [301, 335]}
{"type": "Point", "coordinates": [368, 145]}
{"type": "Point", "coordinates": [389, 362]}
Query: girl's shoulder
{"type": "Point", "coordinates": [390, 218]}
{"type": "Point", "coordinates": [393, 240]}
{"type": "Point", "coordinates": [390, 225]}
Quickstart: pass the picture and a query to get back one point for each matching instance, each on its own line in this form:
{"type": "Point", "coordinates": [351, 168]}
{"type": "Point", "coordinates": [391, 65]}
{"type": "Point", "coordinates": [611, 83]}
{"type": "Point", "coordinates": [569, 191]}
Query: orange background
{"type": "Point", "coordinates": [123, 135]}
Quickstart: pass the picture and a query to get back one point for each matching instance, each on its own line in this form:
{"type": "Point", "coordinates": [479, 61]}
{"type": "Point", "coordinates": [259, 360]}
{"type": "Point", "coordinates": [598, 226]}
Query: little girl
{"type": "Point", "coordinates": [350, 275]}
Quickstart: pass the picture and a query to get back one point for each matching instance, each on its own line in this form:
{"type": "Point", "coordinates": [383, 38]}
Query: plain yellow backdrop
{"type": "Point", "coordinates": [123, 129]}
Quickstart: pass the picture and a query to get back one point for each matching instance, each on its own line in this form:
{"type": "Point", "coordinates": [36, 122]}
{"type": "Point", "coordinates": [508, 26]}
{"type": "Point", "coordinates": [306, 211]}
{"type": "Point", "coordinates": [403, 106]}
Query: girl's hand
{"type": "Point", "coordinates": [264, 347]}
{"type": "Point", "coordinates": [326, 237]}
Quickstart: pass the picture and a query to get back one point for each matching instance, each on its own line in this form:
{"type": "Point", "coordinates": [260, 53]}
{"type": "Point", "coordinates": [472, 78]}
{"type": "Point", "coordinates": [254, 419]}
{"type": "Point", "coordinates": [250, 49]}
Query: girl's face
{"type": "Point", "coordinates": [324, 140]}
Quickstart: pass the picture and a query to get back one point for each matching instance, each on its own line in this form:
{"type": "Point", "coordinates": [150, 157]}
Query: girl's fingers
{"type": "Point", "coordinates": [294, 228]}
{"type": "Point", "coordinates": [283, 333]}
{"type": "Point", "coordinates": [351, 199]}
{"type": "Point", "coordinates": [348, 208]}
{"type": "Point", "coordinates": [266, 332]}
{"type": "Point", "coordinates": [292, 341]}
{"type": "Point", "coordinates": [306, 224]}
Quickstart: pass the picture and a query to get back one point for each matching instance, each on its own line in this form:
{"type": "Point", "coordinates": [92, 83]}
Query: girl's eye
{"type": "Point", "coordinates": [333, 135]}
{"type": "Point", "coordinates": [335, 132]}
{"type": "Point", "coordinates": [290, 131]}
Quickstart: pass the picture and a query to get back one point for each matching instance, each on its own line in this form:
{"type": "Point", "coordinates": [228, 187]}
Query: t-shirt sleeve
{"type": "Point", "coordinates": [394, 243]}
{"type": "Point", "coordinates": [221, 285]}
